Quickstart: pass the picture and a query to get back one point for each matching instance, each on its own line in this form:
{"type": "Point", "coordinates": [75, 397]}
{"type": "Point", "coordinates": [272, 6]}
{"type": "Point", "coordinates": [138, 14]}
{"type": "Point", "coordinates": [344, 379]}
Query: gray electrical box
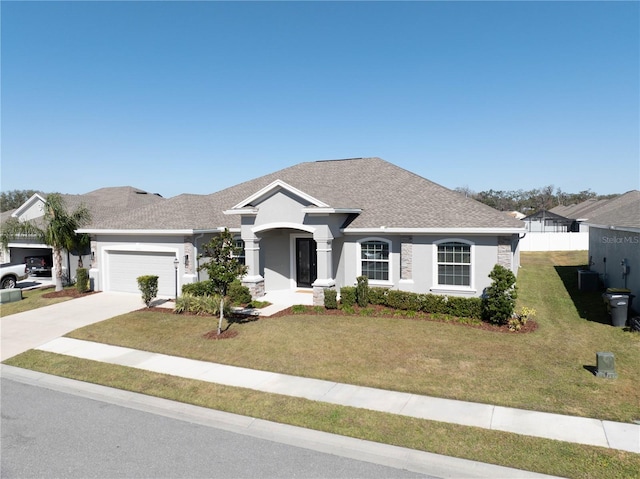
{"type": "Point", "coordinates": [605, 366]}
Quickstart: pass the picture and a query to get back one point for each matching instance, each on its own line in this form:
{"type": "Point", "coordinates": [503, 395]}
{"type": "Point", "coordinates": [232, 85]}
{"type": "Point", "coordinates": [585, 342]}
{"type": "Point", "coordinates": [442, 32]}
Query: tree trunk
{"type": "Point", "coordinates": [221, 315]}
{"type": "Point", "coordinates": [57, 261]}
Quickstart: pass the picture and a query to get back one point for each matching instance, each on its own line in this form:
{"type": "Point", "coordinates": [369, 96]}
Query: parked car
{"type": "Point", "coordinates": [39, 265]}
{"type": "Point", "coordinates": [10, 274]}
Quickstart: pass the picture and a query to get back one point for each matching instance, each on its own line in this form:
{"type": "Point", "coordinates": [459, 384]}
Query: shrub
{"type": "Point", "coordinates": [209, 305]}
{"type": "Point", "coordinates": [298, 309]}
{"type": "Point", "coordinates": [348, 296]}
{"type": "Point", "coordinates": [500, 297]}
{"type": "Point", "coordinates": [330, 299]}
{"type": "Point", "coordinates": [238, 293]}
{"type": "Point", "coordinates": [362, 291]}
{"type": "Point", "coordinates": [148, 285]}
{"type": "Point", "coordinates": [82, 280]}
{"type": "Point", "coordinates": [464, 307]}
{"type": "Point", "coordinates": [403, 300]}
{"type": "Point", "coordinates": [378, 296]}
{"type": "Point", "coordinates": [433, 303]}
{"type": "Point", "coordinates": [201, 288]}
{"type": "Point", "coordinates": [520, 319]}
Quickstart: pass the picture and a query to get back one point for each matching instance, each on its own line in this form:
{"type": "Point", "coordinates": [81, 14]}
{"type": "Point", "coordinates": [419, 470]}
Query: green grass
{"type": "Point", "coordinates": [511, 450]}
{"type": "Point", "coordinates": [31, 299]}
{"type": "Point", "coordinates": [547, 370]}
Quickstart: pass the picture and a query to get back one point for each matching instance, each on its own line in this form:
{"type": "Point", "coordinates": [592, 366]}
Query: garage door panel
{"type": "Point", "coordinates": [124, 267]}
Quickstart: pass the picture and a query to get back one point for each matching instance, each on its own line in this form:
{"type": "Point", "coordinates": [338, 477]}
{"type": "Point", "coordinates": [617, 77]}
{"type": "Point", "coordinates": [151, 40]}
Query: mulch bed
{"type": "Point", "coordinates": [68, 293]}
{"type": "Point", "coordinates": [376, 312]}
{"type": "Point", "coordinates": [228, 334]}
{"type": "Point", "coordinates": [383, 312]}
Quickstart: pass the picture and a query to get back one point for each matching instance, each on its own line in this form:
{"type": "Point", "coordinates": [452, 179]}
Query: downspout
{"type": "Point", "coordinates": [196, 255]}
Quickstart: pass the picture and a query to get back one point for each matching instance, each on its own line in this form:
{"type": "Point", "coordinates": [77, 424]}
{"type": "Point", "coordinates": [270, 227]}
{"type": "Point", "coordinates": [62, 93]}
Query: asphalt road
{"type": "Point", "coordinates": [47, 433]}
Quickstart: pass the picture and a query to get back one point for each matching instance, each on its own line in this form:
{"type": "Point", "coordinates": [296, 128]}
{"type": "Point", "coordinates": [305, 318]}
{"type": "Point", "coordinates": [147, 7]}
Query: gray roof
{"type": "Point", "coordinates": [387, 195]}
{"type": "Point", "coordinates": [621, 212]}
{"type": "Point", "coordinates": [581, 210]}
{"type": "Point", "coordinates": [102, 203]}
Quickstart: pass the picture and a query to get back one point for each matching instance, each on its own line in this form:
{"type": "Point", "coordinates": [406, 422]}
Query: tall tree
{"type": "Point", "coordinates": [58, 231]}
{"type": "Point", "coordinates": [223, 265]}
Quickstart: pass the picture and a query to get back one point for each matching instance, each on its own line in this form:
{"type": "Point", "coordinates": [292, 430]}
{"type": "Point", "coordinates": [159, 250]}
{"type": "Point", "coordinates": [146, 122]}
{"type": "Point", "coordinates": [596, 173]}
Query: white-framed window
{"type": "Point", "coordinates": [241, 254]}
{"type": "Point", "coordinates": [454, 263]}
{"type": "Point", "coordinates": [375, 259]}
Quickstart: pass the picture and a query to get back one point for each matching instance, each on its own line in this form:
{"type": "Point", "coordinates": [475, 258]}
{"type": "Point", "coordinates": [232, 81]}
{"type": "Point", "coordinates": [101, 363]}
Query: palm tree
{"type": "Point", "coordinates": [58, 231]}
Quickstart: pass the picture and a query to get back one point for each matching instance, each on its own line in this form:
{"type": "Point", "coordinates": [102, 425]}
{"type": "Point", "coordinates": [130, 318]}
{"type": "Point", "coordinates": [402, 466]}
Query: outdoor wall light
{"type": "Point", "coordinates": [186, 260]}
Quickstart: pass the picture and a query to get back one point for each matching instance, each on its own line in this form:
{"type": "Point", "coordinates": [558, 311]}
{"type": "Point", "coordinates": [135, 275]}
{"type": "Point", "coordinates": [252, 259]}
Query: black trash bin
{"type": "Point", "coordinates": [617, 301]}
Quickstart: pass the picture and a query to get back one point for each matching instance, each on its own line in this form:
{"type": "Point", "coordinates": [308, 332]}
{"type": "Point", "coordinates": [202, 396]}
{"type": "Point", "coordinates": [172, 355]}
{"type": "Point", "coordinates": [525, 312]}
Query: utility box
{"type": "Point", "coordinates": [605, 366]}
{"type": "Point", "coordinates": [617, 301]}
{"type": "Point", "coordinates": [587, 280]}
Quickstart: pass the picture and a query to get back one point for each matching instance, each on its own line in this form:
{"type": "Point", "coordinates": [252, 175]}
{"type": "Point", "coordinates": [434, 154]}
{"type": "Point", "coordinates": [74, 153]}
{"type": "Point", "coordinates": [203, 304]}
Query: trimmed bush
{"type": "Point", "coordinates": [378, 296]}
{"type": "Point", "coordinates": [433, 303]}
{"type": "Point", "coordinates": [82, 280]}
{"type": "Point", "coordinates": [464, 307]}
{"type": "Point", "coordinates": [148, 285]}
{"type": "Point", "coordinates": [405, 300]}
{"type": "Point", "coordinates": [201, 288]}
{"type": "Point", "coordinates": [362, 291]}
{"type": "Point", "coordinates": [348, 296]}
{"type": "Point", "coordinates": [330, 299]}
{"type": "Point", "coordinates": [238, 293]}
{"type": "Point", "coordinates": [499, 301]}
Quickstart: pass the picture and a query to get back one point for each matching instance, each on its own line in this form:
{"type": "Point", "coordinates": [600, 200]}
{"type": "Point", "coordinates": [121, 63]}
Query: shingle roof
{"type": "Point", "coordinates": [387, 195]}
{"type": "Point", "coordinates": [620, 212]}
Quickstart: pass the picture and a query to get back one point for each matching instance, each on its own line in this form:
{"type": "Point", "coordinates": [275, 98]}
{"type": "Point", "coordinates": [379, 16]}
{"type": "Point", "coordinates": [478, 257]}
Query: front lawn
{"type": "Point", "coordinates": [549, 369]}
{"type": "Point", "coordinates": [33, 299]}
{"type": "Point", "coordinates": [546, 370]}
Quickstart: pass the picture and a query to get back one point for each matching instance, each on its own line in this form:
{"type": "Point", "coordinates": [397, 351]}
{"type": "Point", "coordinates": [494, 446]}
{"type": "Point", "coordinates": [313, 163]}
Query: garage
{"type": "Point", "coordinates": [124, 267]}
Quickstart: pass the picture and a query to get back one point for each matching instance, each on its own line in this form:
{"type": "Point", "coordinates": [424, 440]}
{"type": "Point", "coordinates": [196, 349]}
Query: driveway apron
{"type": "Point", "coordinates": [23, 331]}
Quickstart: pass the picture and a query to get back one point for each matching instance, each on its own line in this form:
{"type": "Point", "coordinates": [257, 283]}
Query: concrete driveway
{"type": "Point", "coordinates": [23, 331]}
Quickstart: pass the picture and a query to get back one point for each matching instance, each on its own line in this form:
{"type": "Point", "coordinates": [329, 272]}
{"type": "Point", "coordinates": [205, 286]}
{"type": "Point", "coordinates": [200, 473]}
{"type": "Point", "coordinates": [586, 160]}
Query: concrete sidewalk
{"type": "Point", "coordinates": [588, 431]}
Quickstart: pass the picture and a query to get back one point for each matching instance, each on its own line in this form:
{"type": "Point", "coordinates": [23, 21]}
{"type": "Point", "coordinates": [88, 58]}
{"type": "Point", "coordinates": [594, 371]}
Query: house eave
{"type": "Point", "coordinates": [614, 228]}
{"type": "Point", "coordinates": [154, 232]}
{"type": "Point", "coordinates": [325, 211]}
{"type": "Point", "coordinates": [446, 231]}
{"type": "Point", "coordinates": [241, 211]}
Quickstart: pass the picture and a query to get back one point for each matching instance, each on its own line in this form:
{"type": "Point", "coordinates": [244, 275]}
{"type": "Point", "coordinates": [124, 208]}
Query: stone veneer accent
{"type": "Point", "coordinates": [318, 294]}
{"type": "Point", "coordinates": [256, 288]}
{"type": "Point", "coordinates": [406, 258]}
{"type": "Point", "coordinates": [504, 251]}
{"type": "Point", "coordinates": [188, 250]}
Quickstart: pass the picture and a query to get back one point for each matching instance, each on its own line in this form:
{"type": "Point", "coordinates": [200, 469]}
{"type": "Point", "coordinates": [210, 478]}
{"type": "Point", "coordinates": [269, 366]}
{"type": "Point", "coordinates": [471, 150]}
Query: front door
{"type": "Point", "coordinates": [306, 259]}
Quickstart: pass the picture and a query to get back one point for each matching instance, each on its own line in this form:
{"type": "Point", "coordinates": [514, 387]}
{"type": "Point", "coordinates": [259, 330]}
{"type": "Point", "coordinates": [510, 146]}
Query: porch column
{"type": "Point", "coordinates": [252, 279]}
{"type": "Point", "coordinates": [324, 270]}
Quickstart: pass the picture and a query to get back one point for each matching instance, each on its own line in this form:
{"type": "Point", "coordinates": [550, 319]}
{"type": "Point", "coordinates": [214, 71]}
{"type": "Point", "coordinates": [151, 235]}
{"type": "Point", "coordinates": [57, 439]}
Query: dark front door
{"type": "Point", "coordinates": [306, 258]}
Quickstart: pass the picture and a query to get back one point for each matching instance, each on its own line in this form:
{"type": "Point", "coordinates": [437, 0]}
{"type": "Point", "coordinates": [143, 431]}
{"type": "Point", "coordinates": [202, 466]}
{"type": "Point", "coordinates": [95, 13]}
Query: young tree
{"type": "Point", "coordinates": [58, 231]}
{"type": "Point", "coordinates": [222, 265]}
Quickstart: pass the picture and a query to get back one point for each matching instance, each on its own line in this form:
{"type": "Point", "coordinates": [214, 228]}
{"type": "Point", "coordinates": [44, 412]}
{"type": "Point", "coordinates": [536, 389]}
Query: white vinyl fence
{"type": "Point", "coordinates": [555, 242]}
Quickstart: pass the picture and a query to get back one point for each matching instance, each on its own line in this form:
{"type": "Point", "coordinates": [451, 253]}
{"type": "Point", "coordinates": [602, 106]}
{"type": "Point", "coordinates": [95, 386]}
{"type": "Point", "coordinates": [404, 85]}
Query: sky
{"type": "Point", "coordinates": [194, 97]}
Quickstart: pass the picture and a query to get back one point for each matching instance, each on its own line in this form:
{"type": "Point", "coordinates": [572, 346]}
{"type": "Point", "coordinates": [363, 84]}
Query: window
{"type": "Point", "coordinates": [374, 256]}
{"type": "Point", "coordinates": [454, 264]}
{"type": "Point", "coordinates": [240, 245]}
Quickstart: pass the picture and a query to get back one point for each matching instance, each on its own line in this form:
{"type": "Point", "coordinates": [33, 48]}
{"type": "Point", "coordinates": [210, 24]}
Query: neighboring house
{"type": "Point", "coordinates": [581, 213]}
{"type": "Point", "coordinates": [314, 225]}
{"type": "Point", "coordinates": [614, 243]}
{"type": "Point", "coordinates": [544, 221]}
{"type": "Point", "coordinates": [101, 203]}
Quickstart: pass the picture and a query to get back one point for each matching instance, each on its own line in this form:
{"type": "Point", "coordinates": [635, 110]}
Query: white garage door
{"type": "Point", "coordinates": [124, 267]}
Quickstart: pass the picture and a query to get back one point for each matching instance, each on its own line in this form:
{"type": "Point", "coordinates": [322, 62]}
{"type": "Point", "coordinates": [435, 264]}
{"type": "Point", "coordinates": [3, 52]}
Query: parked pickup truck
{"type": "Point", "coordinates": [10, 274]}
